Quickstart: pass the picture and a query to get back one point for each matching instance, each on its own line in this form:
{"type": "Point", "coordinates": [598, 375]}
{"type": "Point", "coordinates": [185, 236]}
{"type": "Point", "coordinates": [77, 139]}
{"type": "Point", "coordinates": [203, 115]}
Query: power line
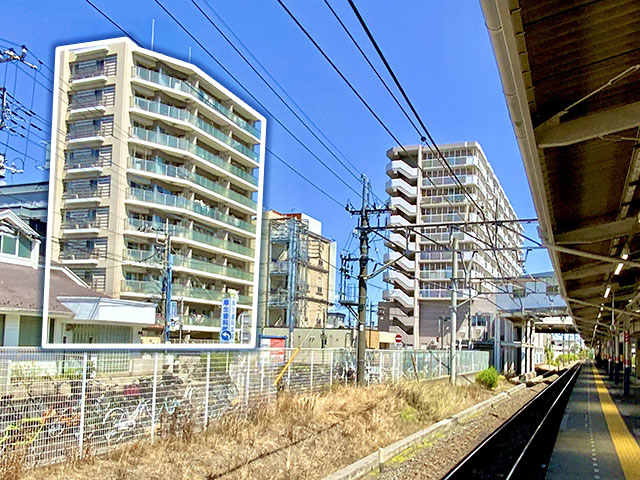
{"type": "Point", "coordinates": [235, 48]}
{"type": "Point", "coordinates": [188, 32]}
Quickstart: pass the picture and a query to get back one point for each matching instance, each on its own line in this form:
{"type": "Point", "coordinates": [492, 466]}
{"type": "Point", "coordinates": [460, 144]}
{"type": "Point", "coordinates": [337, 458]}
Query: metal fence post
{"type": "Point", "coordinates": [154, 396]}
{"type": "Point", "coordinates": [289, 372]}
{"type": "Point", "coordinates": [439, 364]}
{"type": "Point", "coordinates": [246, 388]}
{"type": "Point", "coordinates": [381, 368]}
{"type": "Point", "coordinates": [206, 391]}
{"type": "Point", "coordinates": [261, 377]}
{"type": "Point", "coordinates": [331, 369]}
{"type": "Point", "coordinates": [311, 374]}
{"type": "Point", "coordinates": [83, 401]}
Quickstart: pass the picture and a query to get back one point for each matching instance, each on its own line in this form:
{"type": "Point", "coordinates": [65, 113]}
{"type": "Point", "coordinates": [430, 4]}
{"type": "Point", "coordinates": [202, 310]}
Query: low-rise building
{"type": "Point", "coordinates": [297, 273]}
{"type": "Point", "coordinates": [77, 314]}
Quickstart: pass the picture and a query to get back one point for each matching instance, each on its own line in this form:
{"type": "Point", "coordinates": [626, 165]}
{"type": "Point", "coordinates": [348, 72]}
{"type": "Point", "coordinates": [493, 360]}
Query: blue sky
{"type": "Point", "coordinates": [440, 50]}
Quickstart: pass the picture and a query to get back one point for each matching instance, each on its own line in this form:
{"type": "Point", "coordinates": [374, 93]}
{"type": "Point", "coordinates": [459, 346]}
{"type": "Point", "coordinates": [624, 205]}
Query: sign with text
{"type": "Point", "coordinates": [228, 319]}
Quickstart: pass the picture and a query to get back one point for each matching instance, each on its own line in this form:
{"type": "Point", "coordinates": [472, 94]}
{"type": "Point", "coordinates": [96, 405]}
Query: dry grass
{"type": "Point", "coordinates": [299, 437]}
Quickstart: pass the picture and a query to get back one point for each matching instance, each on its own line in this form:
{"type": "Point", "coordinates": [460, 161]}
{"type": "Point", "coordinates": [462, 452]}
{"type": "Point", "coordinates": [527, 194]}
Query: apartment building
{"type": "Point", "coordinates": [147, 147]}
{"type": "Point", "coordinates": [297, 285]}
{"type": "Point", "coordinates": [424, 192]}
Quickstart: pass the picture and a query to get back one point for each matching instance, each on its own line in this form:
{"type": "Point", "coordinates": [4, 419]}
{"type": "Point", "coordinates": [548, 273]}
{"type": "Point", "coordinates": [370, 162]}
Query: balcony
{"type": "Point", "coordinates": [185, 87]}
{"type": "Point", "coordinates": [181, 231]}
{"type": "Point", "coordinates": [279, 298]}
{"type": "Point", "coordinates": [210, 267]}
{"type": "Point", "coordinates": [80, 257]}
{"type": "Point", "coordinates": [443, 199]}
{"type": "Point", "coordinates": [157, 167]}
{"type": "Point", "coordinates": [197, 320]}
{"type": "Point", "coordinates": [452, 161]}
{"type": "Point", "coordinates": [185, 145]}
{"type": "Point", "coordinates": [86, 76]}
{"type": "Point", "coordinates": [435, 293]}
{"type": "Point", "coordinates": [206, 294]}
{"type": "Point", "coordinates": [435, 274]}
{"type": "Point", "coordinates": [82, 195]}
{"type": "Point", "coordinates": [401, 185]}
{"type": "Point", "coordinates": [150, 258]}
{"type": "Point", "coordinates": [186, 116]}
{"type": "Point", "coordinates": [81, 164]}
{"type": "Point", "coordinates": [400, 166]}
{"type": "Point", "coordinates": [86, 135]}
{"type": "Point", "coordinates": [152, 196]}
{"type": "Point", "coordinates": [143, 287]}
{"type": "Point", "coordinates": [80, 226]}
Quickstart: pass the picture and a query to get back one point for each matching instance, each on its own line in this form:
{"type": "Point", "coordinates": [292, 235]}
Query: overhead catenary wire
{"type": "Point", "coordinates": [261, 104]}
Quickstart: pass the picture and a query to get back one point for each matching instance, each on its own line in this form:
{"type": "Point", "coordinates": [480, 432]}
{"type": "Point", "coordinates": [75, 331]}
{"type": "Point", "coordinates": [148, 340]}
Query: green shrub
{"type": "Point", "coordinates": [488, 378]}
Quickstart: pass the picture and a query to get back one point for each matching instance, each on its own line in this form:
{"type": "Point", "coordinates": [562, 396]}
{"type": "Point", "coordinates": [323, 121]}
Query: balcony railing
{"type": "Point", "coordinates": [91, 102]}
{"type": "Point", "coordinates": [82, 193]}
{"type": "Point", "coordinates": [154, 166]}
{"type": "Point", "coordinates": [142, 256]}
{"type": "Point", "coordinates": [147, 287]}
{"type": "Point", "coordinates": [84, 161]}
{"type": "Point", "coordinates": [96, 71]}
{"type": "Point", "coordinates": [210, 267]}
{"type": "Point", "coordinates": [79, 255]}
{"type": "Point", "coordinates": [187, 116]}
{"type": "Point", "coordinates": [183, 232]}
{"type": "Point", "coordinates": [152, 196]}
{"type": "Point", "coordinates": [77, 133]}
{"type": "Point", "coordinates": [186, 87]}
{"type": "Point", "coordinates": [184, 144]}
{"type": "Point", "coordinates": [201, 321]}
{"type": "Point", "coordinates": [206, 294]}
{"type": "Point", "coordinates": [78, 224]}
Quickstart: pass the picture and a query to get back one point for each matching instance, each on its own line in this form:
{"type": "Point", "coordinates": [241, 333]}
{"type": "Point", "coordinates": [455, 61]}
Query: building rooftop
{"type": "Point", "coordinates": [21, 288]}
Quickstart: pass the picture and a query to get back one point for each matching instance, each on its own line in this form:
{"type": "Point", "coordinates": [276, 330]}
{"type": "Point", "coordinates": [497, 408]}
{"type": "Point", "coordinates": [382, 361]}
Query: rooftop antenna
{"type": "Point", "coordinates": [153, 31]}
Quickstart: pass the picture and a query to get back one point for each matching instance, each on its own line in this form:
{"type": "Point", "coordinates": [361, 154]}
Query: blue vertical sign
{"type": "Point", "coordinates": [228, 319]}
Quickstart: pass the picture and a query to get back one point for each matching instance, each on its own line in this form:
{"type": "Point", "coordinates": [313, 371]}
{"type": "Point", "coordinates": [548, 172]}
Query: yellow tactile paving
{"type": "Point", "coordinates": [626, 447]}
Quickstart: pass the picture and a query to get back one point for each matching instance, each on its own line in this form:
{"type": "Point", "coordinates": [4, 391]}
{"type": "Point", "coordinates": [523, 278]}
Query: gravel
{"type": "Point", "coordinates": [434, 460]}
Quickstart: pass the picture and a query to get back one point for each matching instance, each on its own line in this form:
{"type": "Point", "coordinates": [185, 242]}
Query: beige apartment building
{"type": "Point", "coordinates": [149, 149]}
{"type": "Point", "coordinates": [423, 191]}
{"type": "Point", "coordinates": [297, 285]}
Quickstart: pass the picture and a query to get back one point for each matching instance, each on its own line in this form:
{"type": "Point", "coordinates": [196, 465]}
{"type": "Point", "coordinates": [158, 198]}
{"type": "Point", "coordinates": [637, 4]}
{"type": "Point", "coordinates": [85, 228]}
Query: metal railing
{"type": "Point", "coordinates": [57, 405]}
{"type": "Point", "coordinates": [184, 144]}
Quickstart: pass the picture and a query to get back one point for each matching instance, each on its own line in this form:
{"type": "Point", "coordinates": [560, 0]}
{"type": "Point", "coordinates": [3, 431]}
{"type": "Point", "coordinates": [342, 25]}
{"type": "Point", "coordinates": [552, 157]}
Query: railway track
{"type": "Point", "coordinates": [522, 446]}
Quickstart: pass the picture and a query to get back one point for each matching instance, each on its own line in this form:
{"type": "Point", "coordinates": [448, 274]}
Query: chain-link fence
{"type": "Point", "coordinates": [59, 404]}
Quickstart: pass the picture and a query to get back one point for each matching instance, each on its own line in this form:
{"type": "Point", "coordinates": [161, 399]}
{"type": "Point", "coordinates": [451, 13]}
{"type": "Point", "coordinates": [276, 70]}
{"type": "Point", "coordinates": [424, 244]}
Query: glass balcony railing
{"type": "Point", "coordinates": [156, 166]}
{"type": "Point", "coordinates": [201, 320]}
{"type": "Point", "coordinates": [152, 196]}
{"type": "Point", "coordinates": [183, 232]}
{"type": "Point", "coordinates": [91, 102]}
{"type": "Point", "coordinates": [186, 116]}
{"type": "Point", "coordinates": [143, 256]}
{"type": "Point", "coordinates": [186, 87]}
{"type": "Point", "coordinates": [206, 294]}
{"type": "Point", "coordinates": [147, 287]}
{"type": "Point", "coordinates": [184, 144]}
{"type": "Point", "coordinates": [435, 199]}
{"type": "Point", "coordinates": [210, 267]}
{"type": "Point", "coordinates": [73, 160]}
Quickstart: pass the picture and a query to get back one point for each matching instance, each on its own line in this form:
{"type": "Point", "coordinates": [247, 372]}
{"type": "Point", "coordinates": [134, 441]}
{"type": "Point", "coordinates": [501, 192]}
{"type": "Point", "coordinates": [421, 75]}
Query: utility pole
{"type": "Point", "coordinates": [168, 263]}
{"type": "Point", "coordinates": [454, 307]}
{"type": "Point", "coordinates": [363, 231]}
{"type": "Point", "coordinates": [362, 281]}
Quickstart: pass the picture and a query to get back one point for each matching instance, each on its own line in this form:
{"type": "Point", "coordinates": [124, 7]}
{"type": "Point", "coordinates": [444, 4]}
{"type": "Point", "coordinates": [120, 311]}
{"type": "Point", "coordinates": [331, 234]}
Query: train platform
{"type": "Point", "coordinates": [595, 440]}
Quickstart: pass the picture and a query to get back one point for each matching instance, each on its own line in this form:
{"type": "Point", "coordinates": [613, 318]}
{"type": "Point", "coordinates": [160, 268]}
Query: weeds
{"type": "Point", "coordinates": [298, 437]}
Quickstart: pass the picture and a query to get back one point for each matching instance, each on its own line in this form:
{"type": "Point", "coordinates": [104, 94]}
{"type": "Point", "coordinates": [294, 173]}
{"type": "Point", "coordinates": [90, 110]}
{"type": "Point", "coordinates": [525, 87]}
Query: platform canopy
{"type": "Point", "coordinates": [571, 77]}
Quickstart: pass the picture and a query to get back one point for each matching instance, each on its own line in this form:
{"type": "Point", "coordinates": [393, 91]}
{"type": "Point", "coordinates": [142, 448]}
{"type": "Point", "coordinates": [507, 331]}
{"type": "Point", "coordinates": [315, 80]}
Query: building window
{"type": "Point", "coordinates": [24, 247]}
{"type": "Point", "coordinates": [30, 333]}
{"type": "Point", "coordinates": [9, 244]}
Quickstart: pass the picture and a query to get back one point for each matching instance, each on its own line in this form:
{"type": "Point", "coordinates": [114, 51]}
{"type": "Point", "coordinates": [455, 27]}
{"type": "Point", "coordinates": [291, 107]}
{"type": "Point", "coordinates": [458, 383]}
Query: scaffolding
{"type": "Point", "coordinates": [288, 273]}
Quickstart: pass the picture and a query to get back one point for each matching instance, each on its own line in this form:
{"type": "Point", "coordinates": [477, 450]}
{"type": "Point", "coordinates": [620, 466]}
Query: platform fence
{"type": "Point", "coordinates": [57, 404]}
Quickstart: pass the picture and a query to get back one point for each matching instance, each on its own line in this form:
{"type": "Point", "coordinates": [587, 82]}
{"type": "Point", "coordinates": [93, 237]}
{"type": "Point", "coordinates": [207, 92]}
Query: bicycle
{"type": "Point", "coordinates": [23, 430]}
